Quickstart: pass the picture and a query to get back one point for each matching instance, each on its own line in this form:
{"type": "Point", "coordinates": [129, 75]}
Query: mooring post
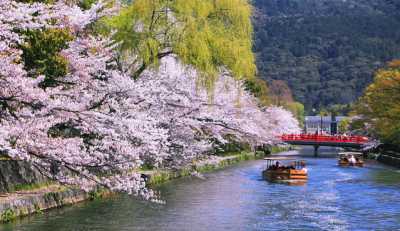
{"type": "Point", "coordinates": [316, 150]}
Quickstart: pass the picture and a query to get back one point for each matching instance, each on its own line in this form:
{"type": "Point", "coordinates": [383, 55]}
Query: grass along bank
{"type": "Point", "coordinates": [159, 176]}
{"type": "Point", "coordinates": [37, 198]}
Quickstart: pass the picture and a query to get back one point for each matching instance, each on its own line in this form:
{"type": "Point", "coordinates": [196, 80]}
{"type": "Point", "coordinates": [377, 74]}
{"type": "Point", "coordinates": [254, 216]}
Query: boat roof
{"type": "Point", "coordinates": [281, 158]}
{"type": "Point", "coordinates": [350, 153]}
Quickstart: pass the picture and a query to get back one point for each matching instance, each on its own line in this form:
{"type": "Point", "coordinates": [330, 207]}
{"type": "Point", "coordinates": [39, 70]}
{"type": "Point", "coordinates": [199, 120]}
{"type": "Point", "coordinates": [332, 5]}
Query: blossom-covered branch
{"type": "Point", "coordinates": [97, 126]}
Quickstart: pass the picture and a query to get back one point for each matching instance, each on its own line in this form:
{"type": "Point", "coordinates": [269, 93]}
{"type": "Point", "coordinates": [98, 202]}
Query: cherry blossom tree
{"type": "Point", "coordinates": [198, 118]}
{"type": "Point", "coordinates": [34, 123]}
{"type": "Point", "coordinates": [98, 126]}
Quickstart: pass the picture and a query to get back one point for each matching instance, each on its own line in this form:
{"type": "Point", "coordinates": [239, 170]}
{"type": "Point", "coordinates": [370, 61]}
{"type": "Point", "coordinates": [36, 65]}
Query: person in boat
{"type": "Point", "coordinates": [276, 166]}
{"type": "Point", "coordinates": [292, 166]}
{"type": "Point", "coordinates": [303, 166]}
{"type": "Point", "coordinates": [272, 167]}
{"type": "Point", "coordinates": [352, 160]}
{"type": "Point", "coordinates": [279, 166]}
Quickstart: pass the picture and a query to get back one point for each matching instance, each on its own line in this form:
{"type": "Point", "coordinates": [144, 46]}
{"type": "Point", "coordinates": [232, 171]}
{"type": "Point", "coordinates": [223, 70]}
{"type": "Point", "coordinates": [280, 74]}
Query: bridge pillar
{"type": "Point", "coordinates": [316, 147]}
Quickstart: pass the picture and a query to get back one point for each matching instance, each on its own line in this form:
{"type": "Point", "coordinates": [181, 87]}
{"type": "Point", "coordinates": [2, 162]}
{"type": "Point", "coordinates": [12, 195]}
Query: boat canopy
{"type": "Point", "coordinates": [288, 162]}
{"type": "Point", "coordinates": [272, 160]}
{"type": "Point", "coordinates": [280, 158]}
{"type": "Point", "coordinates": [350, 153]}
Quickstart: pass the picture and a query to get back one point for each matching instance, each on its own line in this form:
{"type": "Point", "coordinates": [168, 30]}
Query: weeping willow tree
{"type": "Point", "coordinates": [207, 34]}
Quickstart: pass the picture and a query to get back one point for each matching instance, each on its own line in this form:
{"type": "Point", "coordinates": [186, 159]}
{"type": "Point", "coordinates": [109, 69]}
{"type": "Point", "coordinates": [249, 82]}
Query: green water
{"type": "Point", "coordinates": [237, 198]}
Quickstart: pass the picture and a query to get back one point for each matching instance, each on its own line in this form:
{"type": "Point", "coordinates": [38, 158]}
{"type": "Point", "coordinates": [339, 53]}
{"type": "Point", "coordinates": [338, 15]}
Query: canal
{"type": "Point", "coordinates": [237, 198]}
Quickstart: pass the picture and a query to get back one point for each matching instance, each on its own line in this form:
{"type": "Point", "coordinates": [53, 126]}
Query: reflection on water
{"type": "Point", "coordinates": [387, 177]}
{"type": "Point", "coordinates": [237, 198]}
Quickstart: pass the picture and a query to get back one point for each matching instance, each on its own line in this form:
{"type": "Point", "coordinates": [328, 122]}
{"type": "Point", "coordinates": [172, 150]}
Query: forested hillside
{"type": "Point", "coordinates": [326, 50]}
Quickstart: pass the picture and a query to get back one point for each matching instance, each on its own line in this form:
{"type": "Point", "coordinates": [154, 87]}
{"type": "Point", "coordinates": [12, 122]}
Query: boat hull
{"type": "Point", "coordinates": [347, 164]}
{"type": "Point", "coordinates": [287, 175]}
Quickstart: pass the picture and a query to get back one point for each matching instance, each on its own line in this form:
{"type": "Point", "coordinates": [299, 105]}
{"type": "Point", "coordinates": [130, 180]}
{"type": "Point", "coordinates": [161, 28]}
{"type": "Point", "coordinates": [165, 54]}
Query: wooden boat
{"type": "Point", "coordinates": [344, 159]}
{"type": "Point", "coordinates": [294, 173]}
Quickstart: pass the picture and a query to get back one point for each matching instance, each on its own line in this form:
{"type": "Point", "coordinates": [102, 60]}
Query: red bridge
{"type": "Point", "coordinates": [325, 140]}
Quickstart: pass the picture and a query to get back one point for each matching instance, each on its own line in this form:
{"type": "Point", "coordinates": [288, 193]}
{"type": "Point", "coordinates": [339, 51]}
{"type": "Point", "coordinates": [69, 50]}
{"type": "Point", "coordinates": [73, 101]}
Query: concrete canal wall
{"type": "Point", "coordinates": [24, 191]}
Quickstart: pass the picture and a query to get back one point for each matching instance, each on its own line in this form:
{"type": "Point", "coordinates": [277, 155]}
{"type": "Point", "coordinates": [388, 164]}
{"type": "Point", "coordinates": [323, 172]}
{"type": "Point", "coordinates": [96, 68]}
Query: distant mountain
{"type": "Point", "coordinates": [326, 50]}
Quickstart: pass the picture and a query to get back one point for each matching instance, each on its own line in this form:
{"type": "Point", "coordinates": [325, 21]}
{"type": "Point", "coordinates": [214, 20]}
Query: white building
{"type": "Point", "coordinates": [326, 124]}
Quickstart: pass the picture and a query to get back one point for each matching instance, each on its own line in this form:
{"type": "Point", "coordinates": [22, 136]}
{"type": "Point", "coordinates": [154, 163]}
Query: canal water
{"type": "Point", "coordinates": [236, 198]}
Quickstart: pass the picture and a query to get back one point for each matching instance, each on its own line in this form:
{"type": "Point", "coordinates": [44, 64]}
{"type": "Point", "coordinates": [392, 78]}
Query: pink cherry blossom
{"type": "Point", "coordinates": [100, 126]}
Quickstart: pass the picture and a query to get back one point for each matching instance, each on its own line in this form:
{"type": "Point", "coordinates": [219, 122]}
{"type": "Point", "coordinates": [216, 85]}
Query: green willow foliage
{"type": "Point", "coordinates": [259, 89]}
{"type": "Point", "coordinates": [86, 4]}
{"type": "Point", "coordinates": [208, 34]}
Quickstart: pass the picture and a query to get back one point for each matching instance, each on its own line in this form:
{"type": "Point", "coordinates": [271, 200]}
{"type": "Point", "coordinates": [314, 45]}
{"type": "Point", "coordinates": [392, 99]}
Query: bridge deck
{"type": "Point", "coordinates": [325, 140]}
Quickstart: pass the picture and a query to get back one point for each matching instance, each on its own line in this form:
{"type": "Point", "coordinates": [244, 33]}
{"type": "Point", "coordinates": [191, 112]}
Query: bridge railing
{"type": "Point", "coordinates": [324, 138]}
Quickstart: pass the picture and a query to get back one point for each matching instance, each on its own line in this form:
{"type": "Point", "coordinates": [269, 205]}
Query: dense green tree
{"type": "Point", "coordinates": [343, 125]}
{"type": "Point", "coordinates": [41, 53]}
{"type": "Point", "coordinates": [380, 104]}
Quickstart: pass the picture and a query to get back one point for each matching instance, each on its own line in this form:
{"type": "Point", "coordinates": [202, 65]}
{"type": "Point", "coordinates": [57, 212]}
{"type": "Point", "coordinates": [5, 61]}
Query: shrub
{"type": "Point", "coordinates": [8, 215]}
{"type": "Point", "coordinates": [41, 54]}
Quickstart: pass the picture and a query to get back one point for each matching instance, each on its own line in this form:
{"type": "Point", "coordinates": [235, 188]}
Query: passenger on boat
{"type": "Point", "coordinates": [276, 166]}
{"type": "Point", "coordinates": [292, 165]}
{"type": "Point", "coordinates": [303, 167]}
{"type": "Point", "coordinates": [352, 160]}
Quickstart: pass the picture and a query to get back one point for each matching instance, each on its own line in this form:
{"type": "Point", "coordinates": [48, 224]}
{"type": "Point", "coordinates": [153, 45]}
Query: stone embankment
{"type": "Point", "coordinates": [30, 192]}
{"type": "Point", "coordinates": [22, 203]}
{"type": "Point", "coordinates": [155, 177]}
{"type": "Point", "coordinates": [25, 191]}
{"type": "Point", "coordinates": [390, 158]}
{"type": "Point", "coordinates": [15, 175]}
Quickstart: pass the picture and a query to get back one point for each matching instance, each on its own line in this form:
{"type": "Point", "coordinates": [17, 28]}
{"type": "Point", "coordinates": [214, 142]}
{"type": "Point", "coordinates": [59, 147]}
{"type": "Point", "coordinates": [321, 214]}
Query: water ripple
{"type": "Point", "coordinates": [237, 199]}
